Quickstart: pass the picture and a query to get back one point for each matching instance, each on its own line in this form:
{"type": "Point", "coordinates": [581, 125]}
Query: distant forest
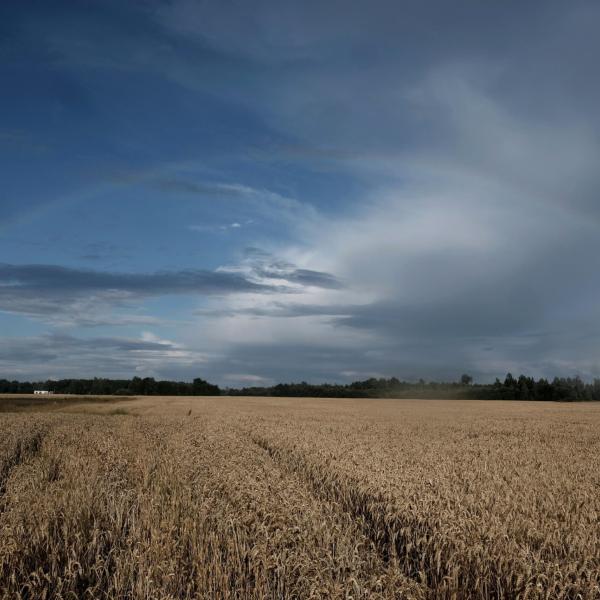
{"type": "Point", "coordinates": [137, 386]}
{"type": "Point", "coordinates": [560, 389]}
{"type": "Point", "coordinates": [521, 388]}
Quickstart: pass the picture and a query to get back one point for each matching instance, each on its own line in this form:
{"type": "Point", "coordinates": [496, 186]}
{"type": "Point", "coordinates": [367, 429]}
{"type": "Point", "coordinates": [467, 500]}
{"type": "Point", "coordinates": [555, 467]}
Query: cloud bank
{"type": "Point", "coordinates": [407, 190]}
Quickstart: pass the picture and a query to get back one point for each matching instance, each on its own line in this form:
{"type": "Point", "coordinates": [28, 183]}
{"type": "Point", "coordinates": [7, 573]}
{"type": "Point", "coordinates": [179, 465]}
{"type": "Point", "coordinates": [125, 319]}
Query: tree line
{"type": "Point", "coordinates": [559, 389]}
{"type": "Point", "coordinates": [138, 386]}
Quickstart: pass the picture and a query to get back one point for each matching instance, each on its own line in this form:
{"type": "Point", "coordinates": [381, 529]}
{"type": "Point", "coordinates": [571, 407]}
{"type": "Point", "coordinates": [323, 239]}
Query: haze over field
{"type": "Point", "coordinates": [267, 191]}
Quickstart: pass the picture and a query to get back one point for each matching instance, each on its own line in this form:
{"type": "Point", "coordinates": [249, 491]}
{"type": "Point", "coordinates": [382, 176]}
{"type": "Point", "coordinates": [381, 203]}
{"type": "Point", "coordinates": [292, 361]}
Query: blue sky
{"type": "Point", "coordinates": [276, 191]}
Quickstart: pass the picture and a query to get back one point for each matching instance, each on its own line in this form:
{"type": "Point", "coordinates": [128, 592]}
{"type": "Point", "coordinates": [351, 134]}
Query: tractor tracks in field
{"type": "Point", "coordinates": [388, 535]}
{"type": "Point", "coordinates": [416, 545]}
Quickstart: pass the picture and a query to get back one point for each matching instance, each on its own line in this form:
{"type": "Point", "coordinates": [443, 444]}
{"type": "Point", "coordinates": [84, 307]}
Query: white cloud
{"type": "Point", "coordinates": [466, 265]}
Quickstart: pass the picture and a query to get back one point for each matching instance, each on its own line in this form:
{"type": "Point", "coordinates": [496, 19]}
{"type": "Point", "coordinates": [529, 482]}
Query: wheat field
{"type": "Point", "coordinates": [300, 498]}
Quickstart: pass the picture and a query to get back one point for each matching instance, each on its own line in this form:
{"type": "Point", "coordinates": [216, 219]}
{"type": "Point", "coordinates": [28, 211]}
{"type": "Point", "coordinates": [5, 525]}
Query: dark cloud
{"type": "Point", "coordinates": [428, 357]}
{"type": "Point", "coordinates": [28, 279]}
{"type": "Point", "coordinates": [182, 186]}
{"type": "Point", "coordinates": [336, 76]}
{"type": "Point", "coordinates": [426, 320]}
{"type": "Point", "coordinates": [264, 266]}
{"type": "Point", "coordinates": [84, 296]}
{"type": "Point", "coordinates": [443, 312]}
{"type": "Point", "coordinates": [323, 362]}
{"type": "Point", "coordinates": [304, 277]}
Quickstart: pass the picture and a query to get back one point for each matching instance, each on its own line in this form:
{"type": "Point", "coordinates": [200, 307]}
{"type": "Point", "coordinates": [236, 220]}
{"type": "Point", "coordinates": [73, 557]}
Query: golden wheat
{"type": "Point", "coordinates": [300, 498]}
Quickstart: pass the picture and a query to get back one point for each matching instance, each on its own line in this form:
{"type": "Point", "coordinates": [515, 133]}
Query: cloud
{"type": "Point", "coordinates": [85, 297]}
{"type": "Point", "coordinates": [481, 261]}
{"type": "Point", "coordinates": [452, 151]}
{"type": "Point", "coordinates": [269, 205]}
{"type": "Point", "coordinates": [303, 277]}
{"type": "Point", "coordinates": [302, 361]}
{"type": "Point", "coordinates": [215, 190]}
{"type": "Point", "coordinates": [29, 279]}
{"type": "Point", "coordinates": [261, 266]}
{"type": "Point", "coordinates": [286, 310]}
{"type": "Point", "coordinates": [212, 228]}
{"type": "Point", "coordinates": [71, 356]}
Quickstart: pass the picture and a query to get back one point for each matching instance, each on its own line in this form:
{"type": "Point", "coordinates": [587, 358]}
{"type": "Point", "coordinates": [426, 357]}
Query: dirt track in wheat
{"type": "Point", "coordinates": [300, 498]}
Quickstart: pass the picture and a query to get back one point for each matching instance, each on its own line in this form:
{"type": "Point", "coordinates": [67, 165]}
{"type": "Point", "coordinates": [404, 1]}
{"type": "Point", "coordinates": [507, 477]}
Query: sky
{"type": "Point", "coordinates": [257, 192]}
